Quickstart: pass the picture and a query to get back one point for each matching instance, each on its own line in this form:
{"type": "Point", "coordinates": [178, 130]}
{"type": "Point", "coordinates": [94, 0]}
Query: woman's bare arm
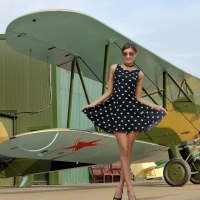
{"type": "Point", "coordinates": [138, 94]}
{"type": "Point", "coordinates": [108, 92]}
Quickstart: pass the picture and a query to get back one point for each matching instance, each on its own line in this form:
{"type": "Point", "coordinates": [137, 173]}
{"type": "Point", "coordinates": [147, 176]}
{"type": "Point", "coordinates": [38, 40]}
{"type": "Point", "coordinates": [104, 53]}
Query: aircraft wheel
{"type": "Point", "coordinates": [195, 178]}
{"type": "Point", "coordinates": [177, 172]}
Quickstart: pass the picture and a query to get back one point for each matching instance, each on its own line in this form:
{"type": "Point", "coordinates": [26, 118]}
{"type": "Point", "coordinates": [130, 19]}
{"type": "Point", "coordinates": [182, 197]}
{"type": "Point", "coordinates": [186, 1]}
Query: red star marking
{"type": "Point", "coordinates": [79, 145]}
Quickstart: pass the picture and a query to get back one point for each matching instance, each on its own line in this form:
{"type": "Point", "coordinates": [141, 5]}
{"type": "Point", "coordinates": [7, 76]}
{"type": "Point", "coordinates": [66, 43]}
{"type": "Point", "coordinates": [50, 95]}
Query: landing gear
{"type": "Point", "coordinates": [183, 166]}
{"type": "Point", "coordinates": [193, 162]}
{"type": "Point", "coordinates": [177, 172]}
{"type": "Point", "coordinates": [195, 178]}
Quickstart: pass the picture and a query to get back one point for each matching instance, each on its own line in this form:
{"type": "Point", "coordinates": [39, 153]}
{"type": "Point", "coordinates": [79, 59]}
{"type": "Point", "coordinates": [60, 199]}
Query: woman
{"type": "Point", "coordinates": [125, 112]}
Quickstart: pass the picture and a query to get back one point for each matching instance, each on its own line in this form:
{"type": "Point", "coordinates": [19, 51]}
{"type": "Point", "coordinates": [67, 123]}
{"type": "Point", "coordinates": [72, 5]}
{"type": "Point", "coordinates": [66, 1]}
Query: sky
{"type": "Point", "coordinates": [168, 28]}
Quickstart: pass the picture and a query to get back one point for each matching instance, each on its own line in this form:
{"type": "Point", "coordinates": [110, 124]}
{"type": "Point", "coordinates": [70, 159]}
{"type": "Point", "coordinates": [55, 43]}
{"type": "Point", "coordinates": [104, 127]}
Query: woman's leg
{"type": "Point", "coordinates": [119, 190]}
{"type": "Point", "coordinates": [125, 142]}
{"type": "Point", "coordinates": [131, 139]}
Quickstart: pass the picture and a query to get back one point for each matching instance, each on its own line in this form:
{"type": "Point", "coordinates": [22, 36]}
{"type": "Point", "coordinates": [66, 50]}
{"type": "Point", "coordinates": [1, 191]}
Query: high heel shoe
{"type": "Point", "coordinates": [129, 198]}
{"type": "Point", "coordinates": [114, 198]}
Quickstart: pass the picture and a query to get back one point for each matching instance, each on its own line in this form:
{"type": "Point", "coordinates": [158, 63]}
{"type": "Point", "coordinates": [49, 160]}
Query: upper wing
{"type": "Point", "coordinates": [76, 146]}
{"type": "Point", "coordinates": [57, 35]}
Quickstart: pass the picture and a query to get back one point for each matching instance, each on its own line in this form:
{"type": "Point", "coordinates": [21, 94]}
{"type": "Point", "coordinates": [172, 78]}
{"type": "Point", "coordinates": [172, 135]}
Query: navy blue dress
{"type": "Point", "coordinates": [122, 112]}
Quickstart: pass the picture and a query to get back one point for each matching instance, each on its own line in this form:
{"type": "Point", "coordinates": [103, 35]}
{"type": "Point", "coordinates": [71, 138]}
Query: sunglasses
{"type": "Point", "coordinates": [131, 54]}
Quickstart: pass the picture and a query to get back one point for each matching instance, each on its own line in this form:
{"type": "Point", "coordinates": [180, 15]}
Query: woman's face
{"type": "Point", "coordinates": [129, 55]}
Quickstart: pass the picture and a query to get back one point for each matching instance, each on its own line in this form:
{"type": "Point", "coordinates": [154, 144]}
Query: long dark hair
{"type": "Point", "coordinates": [130, 45]}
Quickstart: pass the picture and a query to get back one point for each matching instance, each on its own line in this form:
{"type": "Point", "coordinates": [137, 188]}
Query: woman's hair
{"type": "Point", "coordinates": [130, 45]}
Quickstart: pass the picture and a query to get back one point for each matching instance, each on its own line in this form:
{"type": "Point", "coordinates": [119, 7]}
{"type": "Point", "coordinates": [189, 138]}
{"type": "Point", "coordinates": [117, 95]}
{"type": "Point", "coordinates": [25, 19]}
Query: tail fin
{"type": "Point", "coordinates": [3, 132]}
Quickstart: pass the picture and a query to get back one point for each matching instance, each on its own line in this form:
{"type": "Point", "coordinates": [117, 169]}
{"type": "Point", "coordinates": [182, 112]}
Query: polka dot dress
{"type": "Point", "coordinates": [121, 112]}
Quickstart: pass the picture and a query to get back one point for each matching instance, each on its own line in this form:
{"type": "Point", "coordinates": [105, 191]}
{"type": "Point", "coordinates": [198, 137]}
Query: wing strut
{"type": "Point", "coordinates": [82, 81]}
{"type": "Point", "coordinates": [84, 87]}
{"type": "Point", "coordinates": [105, 70]}
{"type": "Point", "coordinates": [105, 76]}
{"type": "Point", "coordinates": [76, 64]}
{"type": "Point", "coordinates": [71, 92]}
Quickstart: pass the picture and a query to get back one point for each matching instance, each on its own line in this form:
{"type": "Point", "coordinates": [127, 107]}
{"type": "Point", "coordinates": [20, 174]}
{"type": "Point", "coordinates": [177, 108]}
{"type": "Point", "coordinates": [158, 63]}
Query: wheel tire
{"type": "Point", "coordinates": [177, 172]}
{"type": "Point", "coordinates": [195, 178]}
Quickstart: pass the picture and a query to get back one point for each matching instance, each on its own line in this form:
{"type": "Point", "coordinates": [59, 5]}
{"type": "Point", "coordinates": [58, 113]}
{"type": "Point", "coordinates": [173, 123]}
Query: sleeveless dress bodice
{"type": "Point", "coordinates": [122, 112]}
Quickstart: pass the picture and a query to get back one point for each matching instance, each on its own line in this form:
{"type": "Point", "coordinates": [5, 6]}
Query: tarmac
{"type": "Point", "coordinates": [144, 190]}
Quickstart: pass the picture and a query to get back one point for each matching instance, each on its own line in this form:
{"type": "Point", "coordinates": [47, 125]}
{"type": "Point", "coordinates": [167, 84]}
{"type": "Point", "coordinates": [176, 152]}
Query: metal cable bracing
{"type": "Point", "coordinates": [10, 166]}
{"type": "Point", "coordinates": [163, 95]}
{"type": "Point", "coordinates": [151, 83]}
{"type": "Point", "coordinates": [90, 70]}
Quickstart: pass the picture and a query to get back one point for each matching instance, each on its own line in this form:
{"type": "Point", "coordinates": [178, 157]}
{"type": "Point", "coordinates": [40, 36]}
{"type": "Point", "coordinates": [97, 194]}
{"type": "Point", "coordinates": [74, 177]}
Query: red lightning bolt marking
{"type": "Point", "coordinates": [79, 145]}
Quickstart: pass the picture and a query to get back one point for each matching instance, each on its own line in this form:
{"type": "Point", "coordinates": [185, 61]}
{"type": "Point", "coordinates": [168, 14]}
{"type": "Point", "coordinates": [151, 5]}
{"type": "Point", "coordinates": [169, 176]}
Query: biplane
{"type": "Point", "coordinates": [84, 45]}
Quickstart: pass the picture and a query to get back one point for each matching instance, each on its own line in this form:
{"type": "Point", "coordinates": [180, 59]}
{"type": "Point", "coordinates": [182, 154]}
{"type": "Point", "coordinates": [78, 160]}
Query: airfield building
{"type": "Point", "coordinates": [34, 96]}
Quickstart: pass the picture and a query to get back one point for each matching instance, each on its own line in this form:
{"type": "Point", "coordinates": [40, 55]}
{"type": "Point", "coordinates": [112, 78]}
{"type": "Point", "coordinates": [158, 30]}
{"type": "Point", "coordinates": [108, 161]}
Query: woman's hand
{"type": "Point", "coordinates": [88, 106]}
{"type": "Point", "coordinates": [107, 93]}
{"type": "Point", "coordinates": [160, 108]}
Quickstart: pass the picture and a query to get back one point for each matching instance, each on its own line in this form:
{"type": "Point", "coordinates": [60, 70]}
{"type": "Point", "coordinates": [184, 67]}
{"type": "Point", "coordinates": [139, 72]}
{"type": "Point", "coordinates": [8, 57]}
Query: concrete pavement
{"type": "Point", "coordinates": [145, 190]}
